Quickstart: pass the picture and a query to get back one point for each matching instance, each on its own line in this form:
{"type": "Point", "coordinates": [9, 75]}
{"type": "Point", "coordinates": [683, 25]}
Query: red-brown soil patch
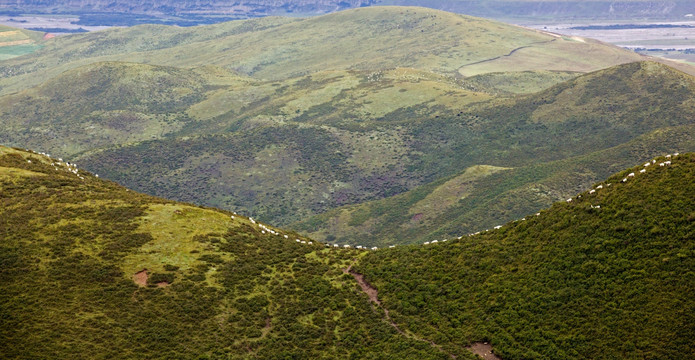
{"type": "Point", "coordinates": [162, 284]}
{"type": "Point", "coordinates": [47, 36]}
{"type": "Point", "coordinates": [417, 217]}
{"type": "Point", "coordinates": [140, 277]}
{"type": "Point", "coordinates": [484, 350]}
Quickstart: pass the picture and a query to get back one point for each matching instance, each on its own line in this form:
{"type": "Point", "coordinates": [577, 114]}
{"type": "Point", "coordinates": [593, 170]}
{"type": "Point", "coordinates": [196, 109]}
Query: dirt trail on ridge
{"type": "Point", "coordinates": [484, 350]}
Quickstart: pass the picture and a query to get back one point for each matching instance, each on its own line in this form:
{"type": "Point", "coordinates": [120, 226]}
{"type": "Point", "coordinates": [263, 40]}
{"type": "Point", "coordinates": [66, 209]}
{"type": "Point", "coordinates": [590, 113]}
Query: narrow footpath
{"type": "Point", "coordinates": [484, 350]}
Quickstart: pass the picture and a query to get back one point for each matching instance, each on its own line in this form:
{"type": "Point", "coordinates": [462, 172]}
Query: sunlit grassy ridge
{"type": "Point", "coordinates": [276, 48]}
{"type": "Point", "coordinates": [218, 284]}
{"type": "Point", "coordinates": [607, 275]}
{"type": "Point", "coordinates": [285, 165]}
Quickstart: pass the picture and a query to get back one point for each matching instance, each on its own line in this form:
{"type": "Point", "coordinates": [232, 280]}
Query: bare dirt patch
{"type": "Point", "coordinates": [140, 277]}
{"type": "Point", "coordinates": [162, 283]}
{"type": "Point", "coordinates": [484, 350]}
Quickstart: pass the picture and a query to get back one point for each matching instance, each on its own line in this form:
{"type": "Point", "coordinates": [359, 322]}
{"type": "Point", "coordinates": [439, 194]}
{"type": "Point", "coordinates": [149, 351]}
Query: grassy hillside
{"type": "Point", "coordinates": [284, 168]}
{"type": "Point", "coordinates": [362, 39]}
{"type": "Point", "coordinates": [608, 275]}
{"type": "Point", "coordinates": [105, 104]}
{"type": "Point", "coordinates": [287, 150]}
{"type": "Point", "coordinates": [93, 270]}
{"type": "Point", "coordinates": [559, 142]}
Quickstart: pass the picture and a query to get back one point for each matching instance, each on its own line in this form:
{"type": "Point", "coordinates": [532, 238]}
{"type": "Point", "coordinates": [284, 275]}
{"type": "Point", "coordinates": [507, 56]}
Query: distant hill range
{"type": "Point", "coordinates": [250, 8]}
{"type": "Point", "coordinates": [506, 9]}
{"type": "Point", "coordinates": [287, 118]}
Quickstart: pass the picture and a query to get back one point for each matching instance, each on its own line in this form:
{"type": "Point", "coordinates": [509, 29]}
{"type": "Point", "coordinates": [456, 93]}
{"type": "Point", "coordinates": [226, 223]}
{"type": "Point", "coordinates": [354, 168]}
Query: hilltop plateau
{"type": "Point", "coordinates": [374, 38]}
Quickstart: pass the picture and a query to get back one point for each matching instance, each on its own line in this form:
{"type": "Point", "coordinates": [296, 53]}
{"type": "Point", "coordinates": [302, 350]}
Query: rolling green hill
{"type": "Point", "coordinates": [608, 275]}
{"type": "Point", "coordinates": [93, 270]}
{"type": "Point", "coordinates": [283, 168]}
{"type": "Point", "coordinates": [358, 119]}
{"type": "Point", "coordinates": [360, 39]}
{"type": "Point", "coordinates": [557, 143]}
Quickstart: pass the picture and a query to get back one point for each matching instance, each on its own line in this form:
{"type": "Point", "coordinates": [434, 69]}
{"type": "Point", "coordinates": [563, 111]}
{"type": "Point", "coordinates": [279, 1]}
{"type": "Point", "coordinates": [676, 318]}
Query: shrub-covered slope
{"type": "Point", "coordinates": [608, 275]}
{"type": "Point", "coordinates": [552, 144]}
{"type": "Point", "coordinates": [93, 270]}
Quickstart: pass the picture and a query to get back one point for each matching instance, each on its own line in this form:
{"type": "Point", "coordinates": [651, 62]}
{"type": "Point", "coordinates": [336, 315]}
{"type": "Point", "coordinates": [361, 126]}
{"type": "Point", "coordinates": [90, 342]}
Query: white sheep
{"type": "Point", "coordinates": [599, 187]}
{"type": "Point", "coordinates": [498, 227]}
{"type": "Point", "coordinates": [667, 163]}
{"type": "Point", "coordinates": [624, 180]}
{"type": "Point", "coordinates": [426, 243]}
{"type": "Point", "coordinates": [631, 175]}
{"type": "Point", "coordinates": [569, 200]}
{"type": "Point", "coordinates": [336, 245]}
{"type": "Point", "coordinates": [661, 164]}
{"type": "Point", "coordinates": [643, 171]}
{"type": "Point", "coordinates": [592, 191]}
{"type": "Point", "coordinates": [647, 164]}
{"type": "Point", "coordinates": [346, 246]}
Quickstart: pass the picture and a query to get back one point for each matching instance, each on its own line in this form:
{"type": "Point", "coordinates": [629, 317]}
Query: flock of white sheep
{"type": "Point", "coordinates": [67, 166]}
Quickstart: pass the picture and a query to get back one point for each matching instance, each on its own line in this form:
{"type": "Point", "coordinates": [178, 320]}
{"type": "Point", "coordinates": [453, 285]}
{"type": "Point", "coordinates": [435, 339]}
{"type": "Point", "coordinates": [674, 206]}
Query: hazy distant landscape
{"type": "Point", "coordinates": [496, 179]}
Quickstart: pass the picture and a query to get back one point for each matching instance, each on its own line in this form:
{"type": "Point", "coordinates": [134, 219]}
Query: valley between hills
{"type": "Point", "coordinates": [488, 168]}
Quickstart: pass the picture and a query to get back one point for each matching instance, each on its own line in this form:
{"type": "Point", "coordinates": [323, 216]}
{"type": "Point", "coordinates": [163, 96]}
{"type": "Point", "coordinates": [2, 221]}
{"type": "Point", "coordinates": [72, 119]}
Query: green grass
{"type": "Point", "coordinates": [564, 139]}
{"type": "Point", "coordinates": [283, 166]}
{"type": "Point", "coordinates": [374, 38]}
{"type": "Point", "coordinates": [71, 246]}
